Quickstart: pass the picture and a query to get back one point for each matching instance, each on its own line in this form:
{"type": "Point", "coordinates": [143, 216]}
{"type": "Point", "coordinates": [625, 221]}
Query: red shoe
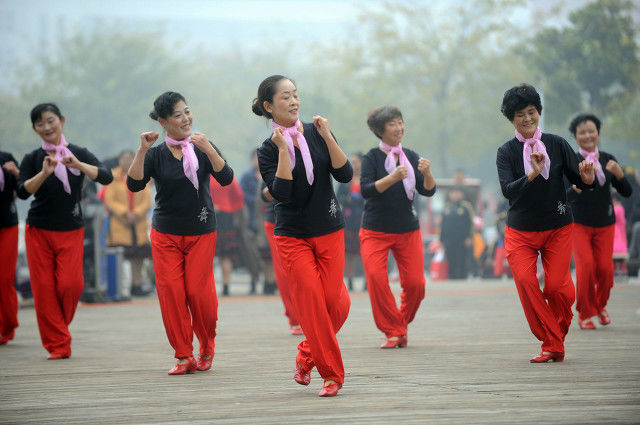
{"type": "Point", "coordinates": [302, 377]}
{"type": "Point", "coordinates": [586, 324]}
{"type": "Point", "coordinates": [399, 341]}
{"type": "Point", "coordinates": [203, 363]}
{"type": "Point", "coordinates": [181, 369]}
{"type": "Point", "coordinates": [6, 338]}
{"type": "Point", "coordinates": [548, 357]}
{"type": "Point", "coordinates": [57, 356]}
{"type": "Point", "coordinates": [330, 390]}
{"type": "Point", "coordinates": [296, 330]}
{"type": "Point", "coordinates": [603, 317]}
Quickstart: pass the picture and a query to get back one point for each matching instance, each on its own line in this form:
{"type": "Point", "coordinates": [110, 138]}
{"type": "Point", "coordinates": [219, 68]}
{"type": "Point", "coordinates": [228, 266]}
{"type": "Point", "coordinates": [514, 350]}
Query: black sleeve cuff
{"type": "Point", "coordinates": [104, 176]}
{"type": "Point", "coordinates": [224, 176]}
{"type": "Point", "coordinates": [343, 174]}
{"type": "Point", "coordinates": [135, 185]}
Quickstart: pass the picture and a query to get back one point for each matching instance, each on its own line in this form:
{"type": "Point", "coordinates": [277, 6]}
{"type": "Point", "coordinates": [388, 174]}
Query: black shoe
{"type": "Point", "coordinates": [225, 290]}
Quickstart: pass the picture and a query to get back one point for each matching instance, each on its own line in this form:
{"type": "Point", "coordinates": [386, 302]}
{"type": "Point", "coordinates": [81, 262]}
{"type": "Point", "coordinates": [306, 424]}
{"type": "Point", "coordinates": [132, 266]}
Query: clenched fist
{"type": "Point", "coordinates": [615, 169]}
{"type": "Point", "coordinates": [147, 139]}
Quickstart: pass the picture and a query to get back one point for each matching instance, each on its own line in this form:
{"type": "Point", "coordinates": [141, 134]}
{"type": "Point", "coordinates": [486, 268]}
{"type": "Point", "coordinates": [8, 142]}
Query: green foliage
{"type": "Point", "coordinates": [592, 64]}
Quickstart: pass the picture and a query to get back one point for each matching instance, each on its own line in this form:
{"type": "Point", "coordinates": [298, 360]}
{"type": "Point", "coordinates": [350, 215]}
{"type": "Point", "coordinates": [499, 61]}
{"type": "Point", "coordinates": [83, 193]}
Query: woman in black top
{"type": "Point", "coordinates": [183, 234]}
{"type": "Point", "coordinates": [297, 163]}
{"type": "Point", "coordinates": [54, 234]}
{"type": "Point", "coordinates": [391, 176]}
{"type": "Point", "coordinates": [594, 220]}
{"type": "Point", "coordinates": [531, 167]}
{"type": "Point", "coordinates": [9, 174]}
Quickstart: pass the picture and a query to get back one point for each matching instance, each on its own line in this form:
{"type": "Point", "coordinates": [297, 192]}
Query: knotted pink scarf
{"type": "Point", "coordinates": [409, 182]}
{"type": "Point", "coordinates": [593, 157]}
{"type": "Point", "coordinates": [60, 151]}
{"type": "Point", "coordinates": [531, 145]}
{"type": "Point", "coordinates": [302, 144]}
{"type": "Point", "coordinates": [189, 159]}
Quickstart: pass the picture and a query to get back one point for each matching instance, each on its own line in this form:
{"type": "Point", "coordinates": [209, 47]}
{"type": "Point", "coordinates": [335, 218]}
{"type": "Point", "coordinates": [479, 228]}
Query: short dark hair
{"type": "Point", "coordinates": [163, 105]}
{"type": "Point", "coordinates": [38, 110]}
{"type": "Point", "coordinates": [518, 98]}
{"type": "Point", "coordinates": [379, 117]}
{"type": "Point", "coordinates": [266, 91]}
{"type": "Point", "coordinates": [573, 127]}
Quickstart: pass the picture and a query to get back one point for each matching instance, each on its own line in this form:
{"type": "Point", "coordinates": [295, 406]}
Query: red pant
{"type": "Point", "coordinates": [315, 268]}
{"type": "Point", "coordinates": [55, 269]}
{"type": "Point", "coordinates": [8, 296]}
{"type": "Point", "coordinates": [183, 266]}
{"type": "Point", "coordinates": [549, 311]}
{"type": "Point", "coordinates": [593, 254]}
{"type": "Point", "coordinates": [407, 250]}
{"type": "Point", "coordinates": [281, 278]}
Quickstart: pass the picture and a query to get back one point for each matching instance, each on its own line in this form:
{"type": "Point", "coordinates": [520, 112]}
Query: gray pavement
{"type": "Point", "coordinates": [467, 362]}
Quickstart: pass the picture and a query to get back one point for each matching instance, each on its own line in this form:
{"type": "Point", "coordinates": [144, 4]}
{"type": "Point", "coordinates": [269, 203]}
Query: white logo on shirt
{"type": "Point", "coordinates": [204, 214]}
{"type": "Point", "coordinates": [333, 208]}
{"type": "Point", "coordinates": [562, 208]}
{"type": "Point", "coordinates": [76, 210]}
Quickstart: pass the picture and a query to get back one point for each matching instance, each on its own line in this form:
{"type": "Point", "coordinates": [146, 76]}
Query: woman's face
{"type": "Point", "coordinates": [356, 164]}
{"type": "Point", "coordinates": [587, 135]}
{"type": "Point", "coordinates": [286, 104]}
{"type": "Point", "coordinates": [393, 132]}
{"type": "Point", "coordinates": [526, 121]}
{"type": "Point", "coordinates": [49, 127]}
{"type": "Point", "coordinates": [179, 124]}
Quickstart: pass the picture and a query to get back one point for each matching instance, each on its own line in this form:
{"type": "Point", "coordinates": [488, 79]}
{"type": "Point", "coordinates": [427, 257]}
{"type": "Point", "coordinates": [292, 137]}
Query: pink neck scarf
{"type": "Point", "coordinates": [409, 182]}
{"type": "Point", "coordinates": [189, 159]}
{"type": "Point", "coordinates": [531, 145]}
{"type": "Point", "coordinates": [60, 151]}
{"type": "Point", "coordinates": [302, 144]}
{"type": "Point", "coordinates": [593, 157]}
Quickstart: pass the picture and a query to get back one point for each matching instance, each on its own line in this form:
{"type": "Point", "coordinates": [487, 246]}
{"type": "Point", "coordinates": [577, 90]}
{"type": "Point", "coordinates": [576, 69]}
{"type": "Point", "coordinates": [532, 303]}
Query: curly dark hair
{"type": "Point", "coordinates": [573, 127]}
{"type": "Point", "coordinates": [163, 105]}
{"type": "Point", "coordinates": [518, 98]}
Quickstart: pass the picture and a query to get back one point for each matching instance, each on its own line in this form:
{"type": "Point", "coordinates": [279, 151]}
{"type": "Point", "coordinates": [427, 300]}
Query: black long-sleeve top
{"type": "Point", "coordinates": [180, 208]}
{"type": "Point", "coordinates": [540, 204]}
{"type": "Point", "coordinates": [594, 207]}
{"type": "Point", "coordinates": [390, 211]}
{"type": "Point", "coordinates": [8, 211]}
{"type": "Point", "coordinates": [52, 208]}
{"type": "Point", "coordinates": [303, 210]}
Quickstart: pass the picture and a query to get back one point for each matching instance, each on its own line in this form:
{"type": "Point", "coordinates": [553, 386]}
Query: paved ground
{"type": "Point", "coordinates": [467, 362]}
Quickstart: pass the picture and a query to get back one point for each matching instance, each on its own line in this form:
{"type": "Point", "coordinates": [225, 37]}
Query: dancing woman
{"type": "Point", "coordinates": [9, 174]}
{"type": "Point", "coordinates": [594, 222]}
{"type": "Point", "coordinates": [297, 163]}
{"type": "Point", "coordinates": [54, 234]}
{"type": "Point", "coordinates": [531, 167]}
{"type": "Point", "coordinates": [183, 233]}
{"type": "Point", "coordinates": [391, 176]}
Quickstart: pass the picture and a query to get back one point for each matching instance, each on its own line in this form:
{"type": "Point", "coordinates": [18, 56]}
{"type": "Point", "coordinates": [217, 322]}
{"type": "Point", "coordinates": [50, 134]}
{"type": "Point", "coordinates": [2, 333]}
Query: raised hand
{"type": "Point", "coordinates": [537, 162]}
{"type": "Point", "coordinates": [424, 166]}
{"type": "Point", "coordinates": [201, 142]}
{"type": "Point", "coordinates": [615, 169]}
{"type": "Point", "coordinates": [587, 171]}
{"type": "Point", "coordinates": [400, 173]}
{"type": "Point", "coordinates": [49, 164]}
{"type": "Point", "coordinates": [147, 139]}
{"type": "Point", "coordinates": [12, 168]}
{"type": "Point", "coordinates": [71, 161]}
{"type": "Point", "coordinates": [278, 138]}
{"type": "Point", "coordinates": [322, 124]}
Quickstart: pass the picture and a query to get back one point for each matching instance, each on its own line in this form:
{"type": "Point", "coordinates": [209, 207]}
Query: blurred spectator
{"type": "Point", "coordinates": [250, 184]}
{"type": "Point", "coordinates": [128, 221]}
{"type": "Point", "coordinates": [456, 233]}
{"type": "Point", "coordinates": [351, 200]}
{"type": "Point", "coordinates": [479, 250]}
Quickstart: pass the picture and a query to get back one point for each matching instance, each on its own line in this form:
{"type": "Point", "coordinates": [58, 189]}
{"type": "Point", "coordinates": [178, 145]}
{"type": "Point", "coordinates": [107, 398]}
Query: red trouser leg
{"type": "Point", "coordinates": [407, 250]}
{"type": "Point", "coordinates": [8, 296]}
{"type": "Point", "coordinates": [183, 266]}
{"type": "Point", "coordinates": [603, 255]}
{"type": "Point", "coordinates": [315, 268]}
{"type": "Point", "coordinates": [281, 277]}
{"type": "Point", "coordinates": [548, 313]}
{"type": "Point", "coordinates": [585, 271]}
{"type": "Point", "coordinates": [55, 269]}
